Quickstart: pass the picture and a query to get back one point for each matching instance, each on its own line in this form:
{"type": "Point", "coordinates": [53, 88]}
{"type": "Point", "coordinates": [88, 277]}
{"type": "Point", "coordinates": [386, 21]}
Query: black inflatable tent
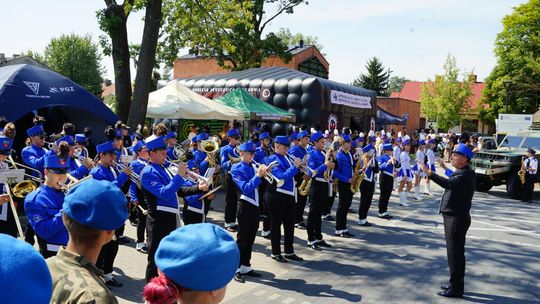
{"type": "Point", "coordinates": [314, 100]}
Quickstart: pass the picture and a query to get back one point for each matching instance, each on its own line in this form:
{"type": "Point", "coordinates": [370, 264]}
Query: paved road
{"type": "Point", "coordinates": [398, 261]}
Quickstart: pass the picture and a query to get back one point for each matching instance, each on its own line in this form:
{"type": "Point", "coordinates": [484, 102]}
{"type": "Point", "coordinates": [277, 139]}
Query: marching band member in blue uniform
{"type": "Point", "coordinates": [247, 178]}
{"type": "Point", "coordinates": [370, 166]}
{"type": "Point", "coordinates": [281, 201]}
{"type": "Point", "coordinates": [43, 207]}
{"type": "Point", "coordinates": [194, 207]}
{"type": "Point", "coordinates": [160, 188]}
{"type": "Point", "coordinates": [105, 171]}
{"type": "Point", "coordinates": [76, 169]}
{"type": "Point", "coordinates": [7, 219]}
{"type": "Point", "coordinates": [231, 196]}
{"type": "Point", "coordinates": [81, 142]}
{"type": "Point", "coordinates": [118, 143]}
{"type": "Point", "coordinates": [171, 140]}
{"type": "Point", "coordinates": [405, 175]}
{"type": "Point", "coordinates": [386, 166]}
{"type": "Point", "coordinates": [261, 155]}
{"type": "Point", "coordinates": [344, 174]}
{"type": "Point", "coordinates": [300, 151]}
{"type": "Point", "coordinates": [418, 174]}
{"type": "Point", "coordinates": [320, 191]}
{"type": "Point", "coordinates": [33, 155]}
{"type": "Point", "coordinates": [200, 157]}
{"type": "Point", "coordinates": [136, 195]}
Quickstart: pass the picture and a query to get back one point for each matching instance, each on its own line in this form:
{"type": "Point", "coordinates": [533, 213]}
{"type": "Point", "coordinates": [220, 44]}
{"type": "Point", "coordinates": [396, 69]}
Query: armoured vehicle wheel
{"type": "Point", "coordinates": [514, 188]}
{"type": "Point", "coordinates": [483, 184]}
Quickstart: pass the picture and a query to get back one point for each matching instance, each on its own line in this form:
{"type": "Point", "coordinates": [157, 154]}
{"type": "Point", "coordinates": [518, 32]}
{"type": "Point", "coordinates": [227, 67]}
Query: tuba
{"type": "Point", "coordinates": [210, 147]}
{"type": "Point", "coordinates": [22, 189]}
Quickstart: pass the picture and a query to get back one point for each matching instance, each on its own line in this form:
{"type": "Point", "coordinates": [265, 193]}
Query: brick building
{"type": "Point", "coordinates": [401, 107]}
{"type": "Point", "coordinates": [305, 58]}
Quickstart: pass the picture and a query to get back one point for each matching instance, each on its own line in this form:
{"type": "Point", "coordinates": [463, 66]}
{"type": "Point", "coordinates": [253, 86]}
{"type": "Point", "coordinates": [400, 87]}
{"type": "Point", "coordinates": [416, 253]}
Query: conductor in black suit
{"type": "Point", "coordinates": [455, 207]}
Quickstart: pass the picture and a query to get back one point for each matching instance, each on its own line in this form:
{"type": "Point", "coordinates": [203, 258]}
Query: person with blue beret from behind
{"type": "Point", "coordinates": [195, 262]}
{"type": "Point", "coordinates": [91, 212]}
{"type": "Point", "coordinates": [22, 267]}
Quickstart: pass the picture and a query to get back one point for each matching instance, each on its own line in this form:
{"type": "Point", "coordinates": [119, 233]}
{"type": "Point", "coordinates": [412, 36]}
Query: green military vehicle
{"type": "Point", "coordinates": [501, 166]}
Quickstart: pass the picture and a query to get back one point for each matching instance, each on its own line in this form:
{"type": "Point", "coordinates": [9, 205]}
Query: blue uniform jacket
{"type": "Point", "coordinates": [43, 208]}
{"type": "Point", "coordinates": [247, 181]}
{"type": "Point", "coordinates": [285, 171]}
{"type": "Point", "coordinates": [199, 159]}
{"type": "Point", "coordinates": [369, 171]}
{"type": "Point", "coordinates": [77, 171]}
{"type": "Point", "coordinates": [385, 166]}
{"type": "Point", "coordinates": [136, 166]}
{"type": "Point", "coordinates": [316, 162]}
{"type": "Point", "coordinates": [194, 203]}
{"type": "Point", "coordinates": [155, 180]}
{"type": "Point", "coordinates": [33, 157]}
{"type": "Point", "coordinates": [224, 156]}
{"type": "Point", "coordinates": [298, 151]}
{"type": "Point", "coordinates": [99, 172]}
{"type": "Point", "coordinates": [345, 168]}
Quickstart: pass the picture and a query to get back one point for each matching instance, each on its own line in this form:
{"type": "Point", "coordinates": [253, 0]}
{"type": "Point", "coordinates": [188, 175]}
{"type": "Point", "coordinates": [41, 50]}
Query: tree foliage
{"type": "Point", "coordinates": [395, 84]}
{"type": "Point", "coordinates": [294, 39]}
{"type": "Point", "coordinates": [517, 49]}
{"type": "Point", "coordinates": [446, 98]}
{"type": "Point", "coordinates": [77, 58]}
{"type": "Point", "coordinates": [376, 78]}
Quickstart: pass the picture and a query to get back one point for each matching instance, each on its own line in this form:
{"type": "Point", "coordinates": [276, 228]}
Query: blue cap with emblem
{"type": "Point", "coordinates": [233, 132]}
{"type": "Point", "coordinates": [35, 130]}
{"type": "Point", "coordinates": [264, 135]}
{"type": "Point", "coordinates": [422, 142]}
{"type": "Point", "coordinates": [5, 144]}
{"type": "Point", "coordinates": [202, 136]}
{"type": "Point", "coordinates": [156, 144]}
{"type": "Point", "coordinates": [368, 148]}
{"type": "Point", "coordinates": [302, 134]}
{"type": "Point", "coordinates": [52, 161]}
{"type": "Point", "coordinates": [247, 147]}
{"type": "Point", "coordinates": [81, 139]}
{"type": "Point", "coordinates": [282, 140]}
{"type": "Point", "coordinates": [463, 150]}
{"type": "Point", "coordinates": [316, 136]}
{"type": "Point", "coordinates": [170, 135]}
{"type": "Point", "coordinates": [67, 138]}
{"type": "Point", "coordinates": [346, 138]}
{"type": "Point", "coordinates": [406, 142]}
{"type": "Point", "coordinates": [105, 147]}
{"type": "Point", "coordinates": [387, 147]}
{"type": "Point", "coordinates": [21, 265]}
{"type": "Point", "coordinates": [119, 133]}
{"type": "Point", "coordinates": [98, 204]}
{"type": "Point", "coordinates": [138, 146]}
{"type": "Point", "coordinates": [200, 257]}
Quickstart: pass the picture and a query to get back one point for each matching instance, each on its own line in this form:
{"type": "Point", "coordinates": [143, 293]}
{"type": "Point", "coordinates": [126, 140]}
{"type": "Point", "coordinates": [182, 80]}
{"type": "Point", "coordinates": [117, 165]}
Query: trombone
{"type": "Point", "coordinates": [270, 178]}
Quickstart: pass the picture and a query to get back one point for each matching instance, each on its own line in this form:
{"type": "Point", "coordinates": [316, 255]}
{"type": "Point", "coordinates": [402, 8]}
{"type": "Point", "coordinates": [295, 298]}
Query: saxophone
{"type": "Point", "coordinates": [521, 172]}
{"type": "Point", "coordinates": [329, 156]}
{"type": "Point", "coordinates": [358, 177]}
{"type": "Point", "coordinates": [304, 187]}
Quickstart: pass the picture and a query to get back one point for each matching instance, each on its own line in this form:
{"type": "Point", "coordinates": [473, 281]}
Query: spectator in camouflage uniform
{"type": "Point", "coordinates": [91, 213]}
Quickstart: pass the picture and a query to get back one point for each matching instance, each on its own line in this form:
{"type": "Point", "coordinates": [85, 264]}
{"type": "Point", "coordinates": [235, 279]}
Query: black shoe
{"type": "Point", "coordinates": [293, 257]}
{"type": "Point", "coordinates": [134, 223]}
{"type": "Point", "coordinates": [445, 287]}
{"type": "Point", "coordinates": [386, 217]}
{"type": "Point", "coordinates": [123, 240]}
{"type": "Point", "coordinates": [279, 258]}
{"type": "Point", "coordinates": [143, 249]}
{"type": "Point", "coordinates": [315, 247]}
{"type": "Point", "coordinates": [268, 236]}
{"type": "Point", "coordinates": [113, 283]}
{"type": "Point", "coordinates": [450, 293]}
{"type": "Point", "coordinates": [328, 217]}
{"type": "Point", "coordinates": [323, 243]}
{"type": "Point", "coordinates": [232, 229]}
{"type": "Point", "coordinates": [345, 234]}
{"type": "Point", "coordinates": [300, 225]}
{"type": "Point", "coordinates": [238, 277]}
{"type": "Point", "coordinates": [252, 273]}
{"type": "Point", "coordinates": [366, 224]}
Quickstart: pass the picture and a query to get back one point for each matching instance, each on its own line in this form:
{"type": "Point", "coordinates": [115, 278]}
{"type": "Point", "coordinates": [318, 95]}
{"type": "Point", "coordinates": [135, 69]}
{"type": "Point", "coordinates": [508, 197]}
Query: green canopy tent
{"type": "Point", "coordinates": [254, 108]}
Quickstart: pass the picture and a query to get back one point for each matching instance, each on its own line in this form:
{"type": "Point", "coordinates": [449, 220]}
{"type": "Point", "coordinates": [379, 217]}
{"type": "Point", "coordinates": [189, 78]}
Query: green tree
{"type": "Point", "coordinates": [294, 39]}
{"type": "Point", "coordinates": [77, 58]}
{"type": "Point", "coordinates": [517, 49]}
{"type": "Point", "coordinates": [395, 84]}
{"type": "Point", "coordinates": [375, 79]}
{"type": "Point", "coordinates": [446, 98]}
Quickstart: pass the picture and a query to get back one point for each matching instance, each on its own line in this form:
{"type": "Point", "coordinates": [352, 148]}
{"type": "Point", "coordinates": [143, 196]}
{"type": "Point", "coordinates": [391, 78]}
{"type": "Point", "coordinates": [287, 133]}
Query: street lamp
{"type": "Point", "coordinates": [506, 85]}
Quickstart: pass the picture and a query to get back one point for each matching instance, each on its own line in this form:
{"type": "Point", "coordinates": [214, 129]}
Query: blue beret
{"type": "Point", "coordinates": [156, 144]}
{"type": "Point", "coordinates": [302, 134]}
{"type": "Point", "coordinates": [264, 135]}
{"type": "Point", "coordinates": [368, 148]}
{"type": "Point", "coordinates": [316, 136]}
{"type": "Point", "coordinates": [463, 150]}
{"type": "Point", "coordinates": [138, 146]}
{"type": "Point", "coordinates": [119, 133]}
{"type": "Point", "coordinates": [5, 143]}
{"type": "Point", "coordinates": [35, 130]}
{"type": "Point", "coordinates": [346, 138]}
{"type": "Point", "coordinates": [52, 161]}
{"type": "Point", "coordinates": [195, 139]}
{"type": "Point", "coordinates": [406, 142]}
{"type": "Point", "coordinates": [200, 257]}
{"type": "Point", "coordinates": [247, 147]}
{"type": "Point", "coordinates": [170, 135]}
{"type": "Point", "coordinates": [21, 265]}
{"type": "Point", "coordinates": [283, 140]}
{"type": "Point", "coordinates": [387, 147]}
{"type": "Point", "coordinates": [421, 142]}
{"type": "Point", "coordinates": [80, 138]}
{"type": "Point", "coordinates": [233, 132]}
{"type": "Point", "coordinates": [202, 136]}
{"type": "Point", "coordinates": [105, 147]}
{"type": "Point", "coordinates": [67, 138]}
{"type": "Point", "coordinates": [97, 204]}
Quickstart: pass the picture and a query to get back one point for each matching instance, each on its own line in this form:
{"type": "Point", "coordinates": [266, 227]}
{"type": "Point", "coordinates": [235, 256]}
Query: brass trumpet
{"type": "Point", "coordinates": [73, 182]}
{"type": "Point", "coordinates": [198, 177]}
{"type": "Point", "coordinates": [270, 178]}
{"type": "Point", "coordinates": [134, 177]}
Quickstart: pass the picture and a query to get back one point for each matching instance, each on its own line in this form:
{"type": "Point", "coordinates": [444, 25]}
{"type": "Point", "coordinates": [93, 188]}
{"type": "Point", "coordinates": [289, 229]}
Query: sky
{"type": "Point", "coordinates": [411, 37]}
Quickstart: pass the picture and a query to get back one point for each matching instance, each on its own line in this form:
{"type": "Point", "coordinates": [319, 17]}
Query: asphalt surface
{"type": "Point", "coordinates": [402, 260]}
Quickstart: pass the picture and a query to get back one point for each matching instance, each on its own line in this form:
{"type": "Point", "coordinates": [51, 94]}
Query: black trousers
{"type": "Point", "coordinates": [387, 184]}
{"type": "Point", "coordinates": [344, 203]}
{"type": "Point", "coordinates": [300, 207]}
{"type": "Point", "coordinates": [318, 197]}
{"type": "Point", "coordinates": [281, 208]}
{"type": "Point", "coordinates": [266, 209]}
{"type": "Point", "coordinates": [141, 225]}
{"type": "Point", "coordinates": [327, 208]}
{"type": "Point", "coordinates": [108, 253]}
{"type": "Point", "coordinates": [528, 187]}
{"type": "Point", "coordinates": [43, 248]}
{"type": "Point", "coordinates": [192, 217]}
{"type": "Point", "coordinates": [455, 230]}
{"type": "Point", "coordinates": [248, 224]}
{"type": "Point", "coordinates": [231, 199]}
{"type": "Point", "coordinates": [9, 226]}
{"type": "Point", "coordinates": [366, 196]}
{"type": "Point", "coordinates": [29, 234]}
{"type": "Point", "coordinates": [159, 225]}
